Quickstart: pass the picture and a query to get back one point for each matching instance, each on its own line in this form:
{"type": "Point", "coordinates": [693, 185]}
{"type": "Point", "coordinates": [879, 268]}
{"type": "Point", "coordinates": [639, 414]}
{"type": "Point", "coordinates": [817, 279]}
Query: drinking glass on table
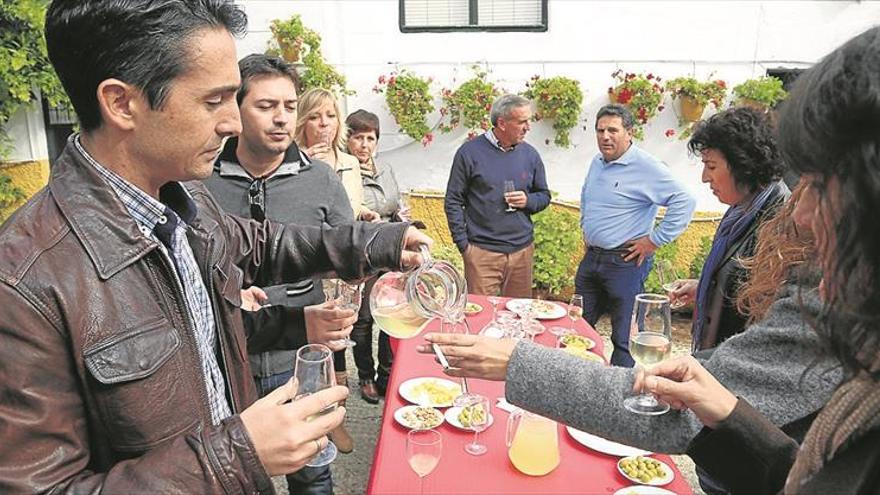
{"type": "Point", "coordinates": [314, 372]}
{"type": "Point", "coordinates": [477, 418]}
{"type": "Point", "coordinates": [669, 280]}
{"type": "Point", "coordinates": [509, 187]}
{"type": "Point", "coordinates": [650, 342]}
{"type": "Point", "coordinates": [575, 311]}
{"type": "Point", "coordinates": [347, 296]}
{"type": "Point", "coordinates": [423, 451]}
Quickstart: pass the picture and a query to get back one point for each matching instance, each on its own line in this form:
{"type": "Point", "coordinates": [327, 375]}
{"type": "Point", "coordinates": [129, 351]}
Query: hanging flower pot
{"type": "Point", "coordinates": [691, 109]}
{"type": "Point", "coordinates": [750, 103]}
{"type": "Point", "coordinates": [760, 94]}
{"type": "Point", "coordinates": [290, 50]}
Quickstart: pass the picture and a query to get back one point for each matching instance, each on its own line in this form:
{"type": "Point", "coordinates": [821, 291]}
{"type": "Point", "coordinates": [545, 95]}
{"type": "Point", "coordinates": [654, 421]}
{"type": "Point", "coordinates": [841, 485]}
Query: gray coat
{"type": "Point", "coordinates": [776, 365]}
{"type": "Point", "coordinates": [381, 192]}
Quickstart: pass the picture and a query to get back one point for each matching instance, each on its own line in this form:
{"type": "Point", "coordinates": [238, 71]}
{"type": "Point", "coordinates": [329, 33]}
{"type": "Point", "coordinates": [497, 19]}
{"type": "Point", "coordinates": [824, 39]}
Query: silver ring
{"type": "Point", "coordinates": [318, 445]}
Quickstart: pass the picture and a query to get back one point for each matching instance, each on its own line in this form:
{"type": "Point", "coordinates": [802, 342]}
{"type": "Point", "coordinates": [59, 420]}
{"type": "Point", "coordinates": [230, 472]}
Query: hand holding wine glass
{"type": "Point", "coordinates": [423, 451]}
{"type": "Point", "coordinates": [314, 372]}
{"type": "Point", "coordinates": [669, 281]}
{"type": "Point", "coordinates": [650, 343]}
{"type": "Point", "coordinates": [348, 297]}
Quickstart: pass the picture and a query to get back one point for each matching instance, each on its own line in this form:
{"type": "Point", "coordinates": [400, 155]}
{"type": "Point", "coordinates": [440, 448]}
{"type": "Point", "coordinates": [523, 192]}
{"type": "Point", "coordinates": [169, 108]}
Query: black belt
{"type": "Point", "coordinates": [617, 250]}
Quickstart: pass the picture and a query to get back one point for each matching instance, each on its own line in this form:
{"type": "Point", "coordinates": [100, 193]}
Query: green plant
{"type": "Point", "coordinates": [557, 241]}
{"type": "Point", "coordinates": [25, 70]}
{"type": "Point", "coordinates": [559, 99]}
{"type": "Point", "coordinates": [666, 253]}
{"type": "Point", "coordinates": [295, 41]}
{"type": "Point", "coordinates": [9, 195]}
{"type": "Point", "coordinates": [766, 91]}
{"type": "Point", "coordinates": [469, 104]}
{"type": "Point", "coordinates": [641, 93]}
{"type": "Point", "coordinates": [409, 100]}
{"type": "Point", "coordinates": [700, 258]}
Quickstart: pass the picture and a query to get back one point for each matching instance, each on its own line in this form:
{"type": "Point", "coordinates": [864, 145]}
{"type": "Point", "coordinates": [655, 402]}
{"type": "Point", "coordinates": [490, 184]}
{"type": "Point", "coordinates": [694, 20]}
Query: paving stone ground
{"type": "Point", "coordinates": [351, 471]}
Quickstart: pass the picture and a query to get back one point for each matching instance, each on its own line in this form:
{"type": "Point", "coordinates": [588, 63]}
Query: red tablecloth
{"type": "Point", "coordinates": [581, 470]}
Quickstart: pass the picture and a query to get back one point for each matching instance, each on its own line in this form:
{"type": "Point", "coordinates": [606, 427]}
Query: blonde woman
{"type": "Point", "coordinates": [321, 134]}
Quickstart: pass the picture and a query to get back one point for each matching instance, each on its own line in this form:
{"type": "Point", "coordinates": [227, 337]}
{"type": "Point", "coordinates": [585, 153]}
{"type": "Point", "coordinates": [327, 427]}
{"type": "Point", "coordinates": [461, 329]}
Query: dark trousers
{"type": "Point", "coordinates": [308, 480]}
{"type": "Point", "coordinates": [609, 285]}
{"type": "Point", "coordinates": [362, 334]}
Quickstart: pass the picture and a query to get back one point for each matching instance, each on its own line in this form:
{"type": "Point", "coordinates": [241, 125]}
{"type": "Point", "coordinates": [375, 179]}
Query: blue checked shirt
{"type": "Point", "coordinates": [151, 214]}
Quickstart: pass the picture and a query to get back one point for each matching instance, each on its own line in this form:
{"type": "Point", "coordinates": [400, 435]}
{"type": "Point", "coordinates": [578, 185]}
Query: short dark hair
{"type": "Point", "coordinates": [258, 65]}
{"type": "Point", "coordinates": [617, 110]}
{"type": "Point", "coordinates": [362, 121]}
{"type": "Point", "coordinates": [829, 128]}
{"type": "Point", "coordinates": [143, 43]}
{"type": "Point", "coordinates": [747, 140]}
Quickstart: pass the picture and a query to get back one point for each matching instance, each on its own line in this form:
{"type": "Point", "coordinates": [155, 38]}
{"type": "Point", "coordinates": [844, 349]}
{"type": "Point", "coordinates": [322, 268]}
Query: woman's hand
{"type": "Point", "coordinates": [472, 355]}
{"type": "Point", "coordinates": [319, 151]}
{"type": "Point", "coordinates": [683, 292]}
{"type": "Point", "coordinates": [368, 215]}
{"type": "Point", "coordinates": [683, 383]}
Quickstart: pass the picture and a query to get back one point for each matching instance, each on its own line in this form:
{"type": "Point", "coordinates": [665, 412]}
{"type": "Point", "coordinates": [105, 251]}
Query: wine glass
{"type": "Point", "coordinates": [650, 342]}
{"type": "Point", "coordinates": [668, 277]}
{"type": "Point", "coordinates": [423, 451]}
{"type": "Point", "coordinates": [575, 309]}
{"type": "Point", "coordinates": [314, 372]}
{"type": "Point", "coordinates": [346, 296]}
{"type": "Point", "coordinates": [478, 411]}
{"type": "Point", "coordinates": [509, 187]}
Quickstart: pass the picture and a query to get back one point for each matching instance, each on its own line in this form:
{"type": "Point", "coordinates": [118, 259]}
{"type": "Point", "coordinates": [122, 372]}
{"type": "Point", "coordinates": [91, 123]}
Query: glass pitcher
{"type": "Point", "coordinates": [402, 304]}
{"type": "Point", "coordinates": [532, 443]}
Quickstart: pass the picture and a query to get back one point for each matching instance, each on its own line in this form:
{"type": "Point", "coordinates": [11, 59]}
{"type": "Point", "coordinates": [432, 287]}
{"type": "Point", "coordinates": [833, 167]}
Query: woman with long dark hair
{"type": "Point", "coordinates": [829, 131]}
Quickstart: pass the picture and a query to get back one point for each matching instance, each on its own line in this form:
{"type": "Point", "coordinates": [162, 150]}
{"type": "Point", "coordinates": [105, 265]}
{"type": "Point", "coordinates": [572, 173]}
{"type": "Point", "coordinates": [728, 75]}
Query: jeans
{"type": "Point", "coordinates": [362, 334]}
{"type": "Point", "coordinates": [308, 480]}
{"type": "Point", "coordinates": [609, 285]}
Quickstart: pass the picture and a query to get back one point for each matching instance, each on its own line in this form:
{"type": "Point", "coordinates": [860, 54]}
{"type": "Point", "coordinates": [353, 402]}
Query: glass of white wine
{"type": "Point", "coordinates": [314, 372]}
{"type": "Point", "coordinates": [347, 296]}
{"type": "Point", "coordinates": [477, 411]}
{"type": "Point", "coordinates": [423, 451]}
{"type": "Point", "coordinates": [509, 187]}
{"type": "Point", "coordinates": [575, 309]}
{"type": "Point", "coordinates": [650, 342]}
{"type": "Point", "coordinates": [669, 280]}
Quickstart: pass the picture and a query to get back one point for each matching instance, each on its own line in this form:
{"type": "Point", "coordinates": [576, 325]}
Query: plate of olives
{"type": "Point", "coordinates": [645, 470]}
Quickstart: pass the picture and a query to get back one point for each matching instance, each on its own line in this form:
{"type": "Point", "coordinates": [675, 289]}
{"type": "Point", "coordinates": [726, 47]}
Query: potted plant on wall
{"type": "Point", "coordinates": [693, 96]}
{"type": "Point", "coordinates": [761, 93]}
{"type": "Point", "coordinates": [558, 99]}
{"type": "Point", "coordinates": [409, 100]}
{"type": "Point", "coordinates": [469, 104]}
{"type": "Point", "coordinates": [641, 93]}
{"type": "Point", "coordinates": [296, 43]}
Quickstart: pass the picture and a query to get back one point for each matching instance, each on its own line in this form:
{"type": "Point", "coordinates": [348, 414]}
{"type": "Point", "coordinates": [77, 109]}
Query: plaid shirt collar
{"type": "Point", "coordinates": [146, 210]}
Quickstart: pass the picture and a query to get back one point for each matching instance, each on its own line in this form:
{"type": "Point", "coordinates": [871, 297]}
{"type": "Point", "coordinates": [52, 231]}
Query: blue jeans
{"type": "Point", "coordinates": [609, 285]}
{"type": "Point", "coordinates": [308, 480]}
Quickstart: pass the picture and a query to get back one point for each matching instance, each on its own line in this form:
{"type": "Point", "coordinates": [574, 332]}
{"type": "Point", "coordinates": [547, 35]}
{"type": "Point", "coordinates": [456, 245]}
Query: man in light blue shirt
{"type": "Point", "coordinates": [624, 188]}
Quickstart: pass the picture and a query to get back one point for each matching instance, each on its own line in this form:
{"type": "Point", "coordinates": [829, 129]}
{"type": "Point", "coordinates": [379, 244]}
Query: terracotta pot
{"type": "Point", "coordinates": [612, 95]}
{"type": "Point", "coordinates": [289, 51]}
{"type": "Point", "coordinates": [691, 110]}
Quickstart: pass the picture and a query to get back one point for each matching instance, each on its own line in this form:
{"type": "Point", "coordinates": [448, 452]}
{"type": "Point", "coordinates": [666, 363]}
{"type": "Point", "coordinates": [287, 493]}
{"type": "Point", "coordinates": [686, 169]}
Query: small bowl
{"type": "Point", "coordinates": [404, 414]}
{"type": "Point", "coordinates": [472, 309]}
{"type": "Point", "coordinates": [668, 474]}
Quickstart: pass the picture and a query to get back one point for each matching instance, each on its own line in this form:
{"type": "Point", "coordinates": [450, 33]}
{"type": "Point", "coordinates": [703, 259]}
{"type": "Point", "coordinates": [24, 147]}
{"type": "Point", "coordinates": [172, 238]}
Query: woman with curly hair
{"type": "Point", "coordinates": [828, 131]}
{"type": "Point", "coordinates": [742, 166]}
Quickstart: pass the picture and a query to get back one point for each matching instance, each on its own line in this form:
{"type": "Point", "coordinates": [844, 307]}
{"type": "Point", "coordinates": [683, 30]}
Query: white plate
{"type": "Point", "coordinates": [643, 490]}
{"type": "Point", "coordinates": [667, 478]}
{"type": "Point", "coordinates": [551, 312]}
{"type": "Point", "coordinates": [452, 418]}
{"type": "Point", "coordinates": [409, 391]}
{"type": "Point", "coordinates": [599, 444]}
{"type": "Point", "coordinates": [399, 416]}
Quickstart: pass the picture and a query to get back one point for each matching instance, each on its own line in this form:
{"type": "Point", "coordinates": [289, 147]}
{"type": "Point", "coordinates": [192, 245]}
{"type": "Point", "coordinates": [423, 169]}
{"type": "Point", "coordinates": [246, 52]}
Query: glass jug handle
{"type": "Point", "coordinates": [512, 425]}
{"type": "Point", "coordinates": [427, 259]}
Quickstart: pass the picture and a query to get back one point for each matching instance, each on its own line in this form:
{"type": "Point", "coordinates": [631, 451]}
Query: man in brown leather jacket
{"type": "Point", "coordinates": [123, 360]}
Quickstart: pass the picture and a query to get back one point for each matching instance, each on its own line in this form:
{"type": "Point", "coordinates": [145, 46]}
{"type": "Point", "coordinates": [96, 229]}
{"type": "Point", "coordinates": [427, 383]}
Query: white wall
{"type": "Point", "coordinates": [586, 40]}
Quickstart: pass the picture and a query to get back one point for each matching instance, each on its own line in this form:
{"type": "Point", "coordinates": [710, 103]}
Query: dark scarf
{"type": "Point", "coordinates": [734, 224]}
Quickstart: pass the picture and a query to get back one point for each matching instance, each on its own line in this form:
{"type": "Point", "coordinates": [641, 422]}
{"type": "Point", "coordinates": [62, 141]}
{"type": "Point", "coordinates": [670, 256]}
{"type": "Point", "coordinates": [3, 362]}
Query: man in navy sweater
{"type": "Point", "coordinates": [497, 182]}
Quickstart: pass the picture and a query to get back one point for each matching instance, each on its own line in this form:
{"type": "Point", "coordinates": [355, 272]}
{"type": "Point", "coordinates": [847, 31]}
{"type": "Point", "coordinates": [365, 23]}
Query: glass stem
{"type": "Point", "coordinates": [421, 485]}
{"type": "Point", "coordinates": [476, 434]}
